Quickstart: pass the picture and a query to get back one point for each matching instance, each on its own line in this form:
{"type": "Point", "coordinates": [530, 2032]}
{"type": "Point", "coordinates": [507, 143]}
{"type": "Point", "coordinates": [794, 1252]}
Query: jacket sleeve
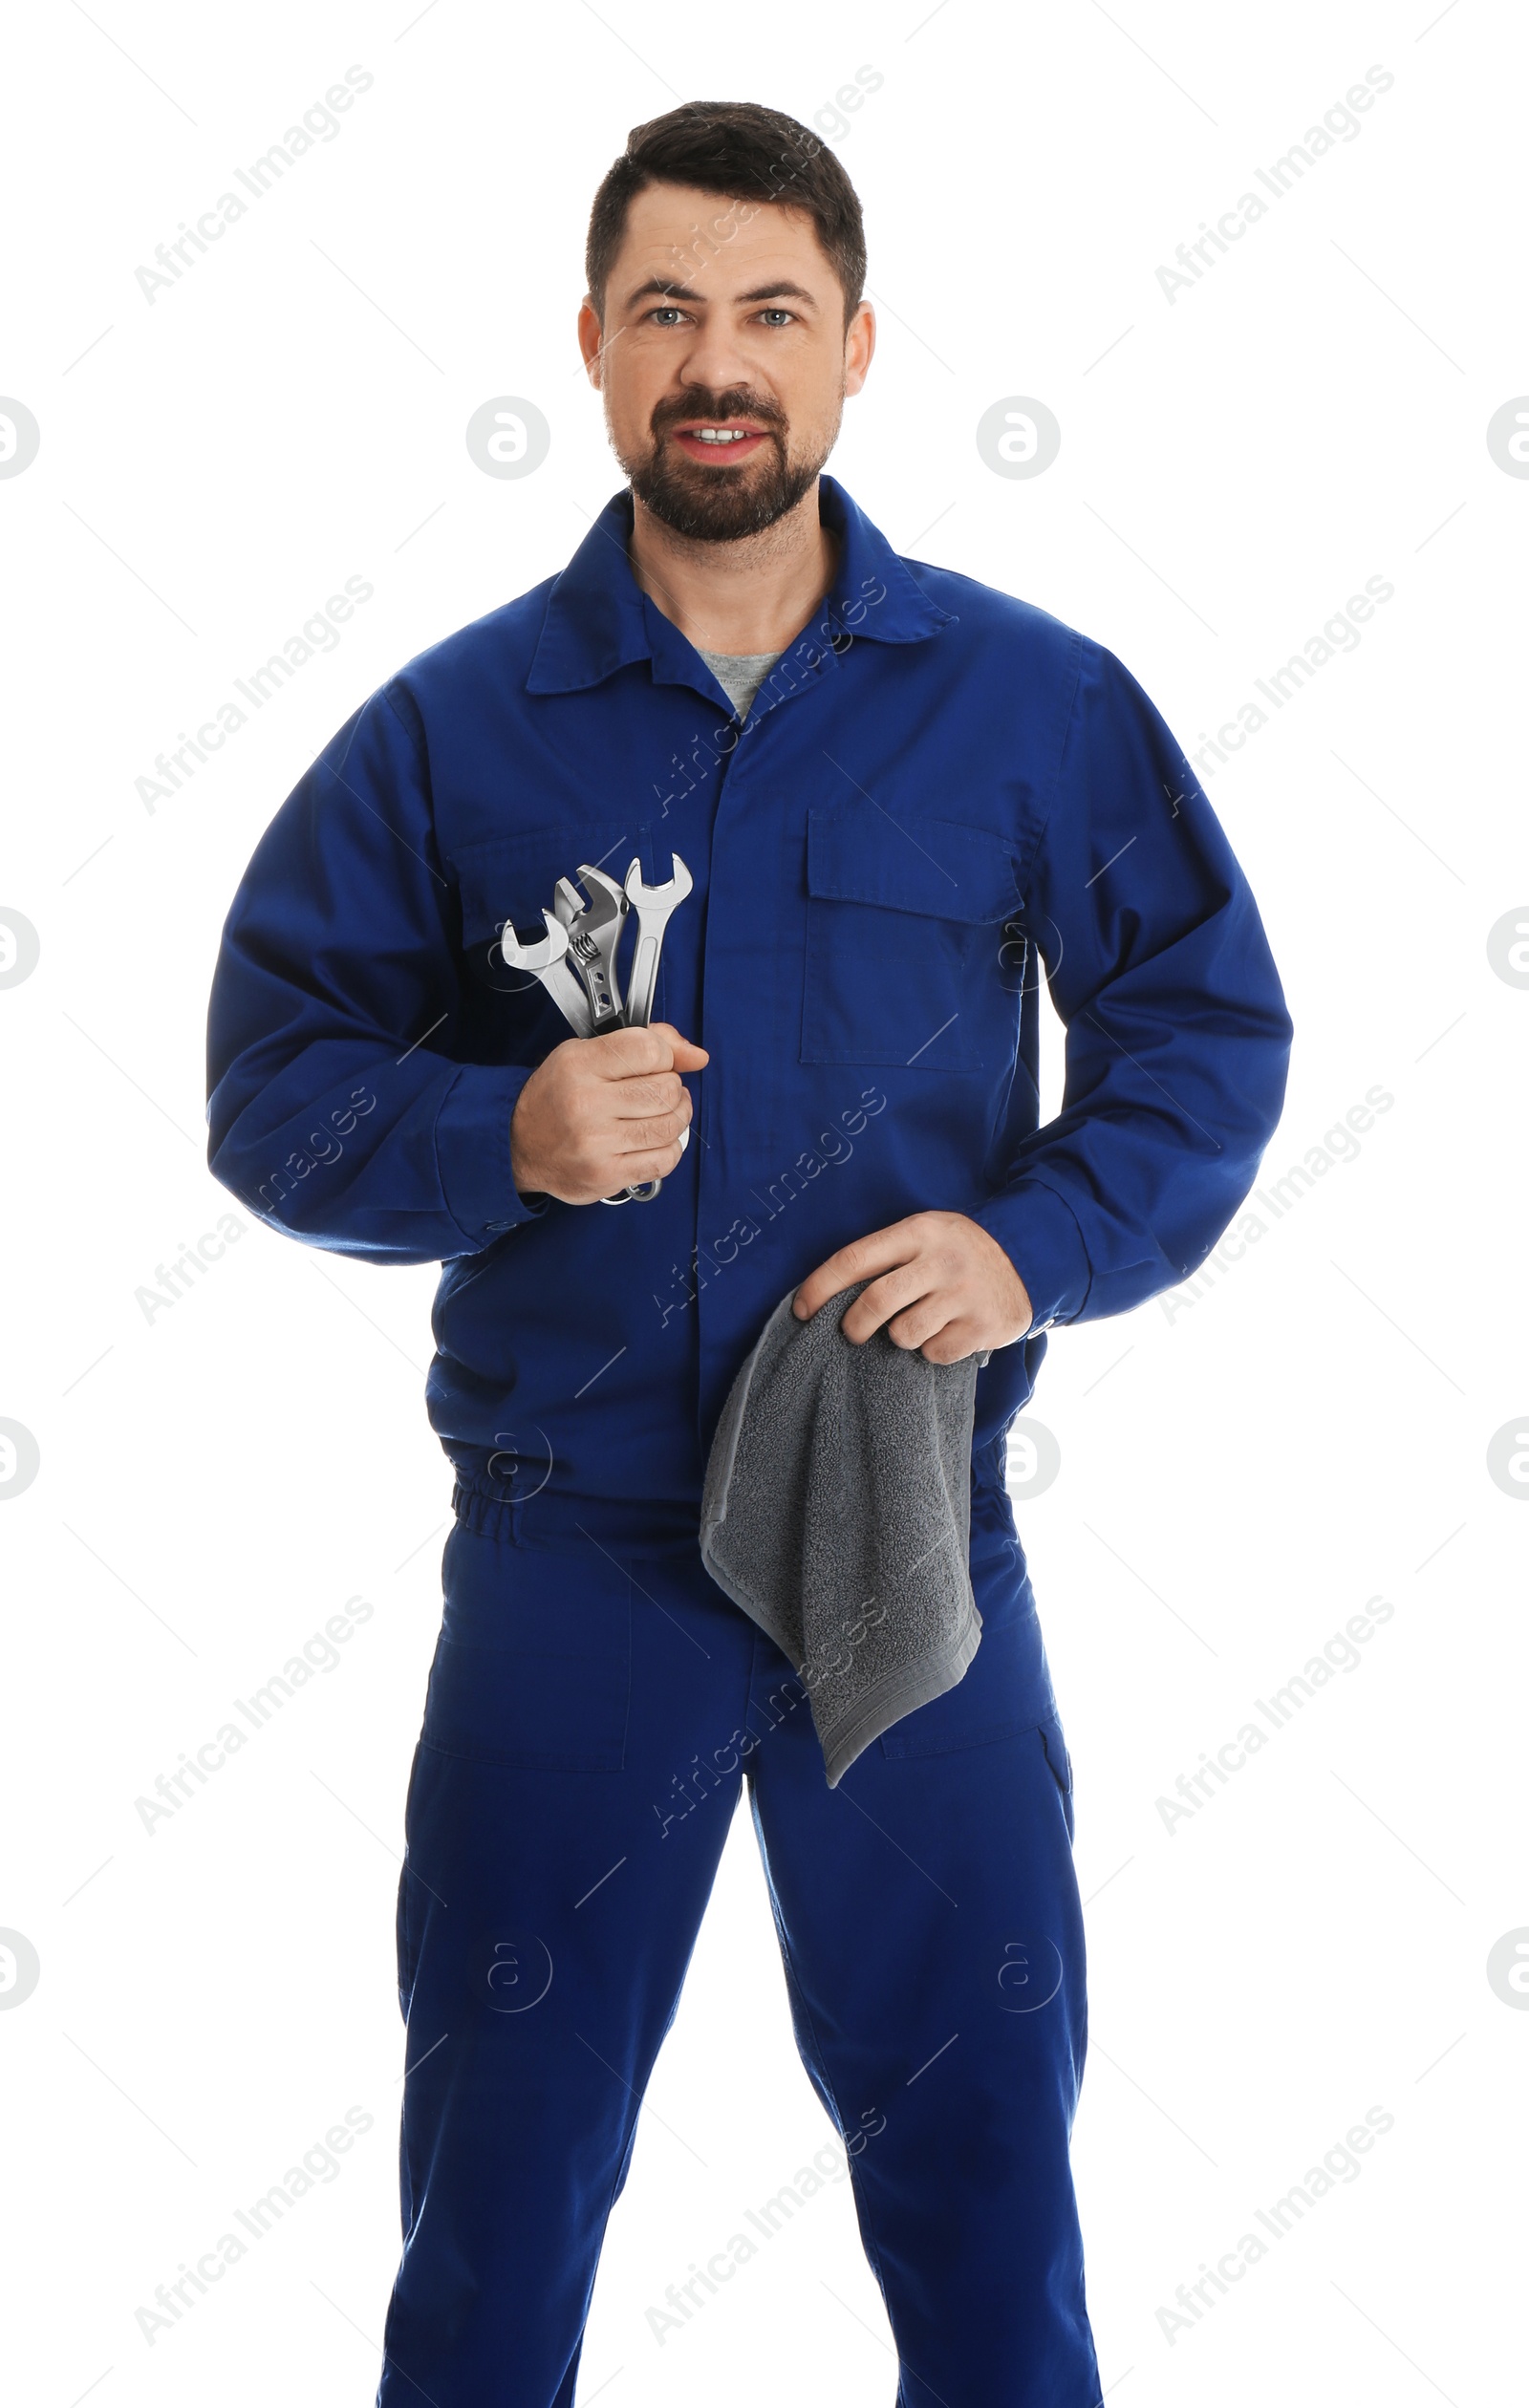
{"type": "Point", "coordinates": [1177, 1035]}
{"type": "Point", "coordinates": [340, 1107]}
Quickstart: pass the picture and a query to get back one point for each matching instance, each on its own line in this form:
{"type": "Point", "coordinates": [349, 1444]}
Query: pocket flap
{"type": "Point", "coordinates": [859, 853]}
{"type": "Point", "coordinates": [514, 877]}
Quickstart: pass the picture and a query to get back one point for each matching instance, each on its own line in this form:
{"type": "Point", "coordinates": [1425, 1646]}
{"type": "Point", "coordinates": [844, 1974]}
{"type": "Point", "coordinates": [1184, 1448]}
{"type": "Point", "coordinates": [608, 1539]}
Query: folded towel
{"type": "Point", "coordinates": [837, 1513]}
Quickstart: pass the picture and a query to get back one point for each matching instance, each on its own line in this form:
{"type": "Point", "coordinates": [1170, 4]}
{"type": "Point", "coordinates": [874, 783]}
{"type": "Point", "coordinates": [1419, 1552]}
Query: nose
{"type": "Point", "coordinates": [716, 360]}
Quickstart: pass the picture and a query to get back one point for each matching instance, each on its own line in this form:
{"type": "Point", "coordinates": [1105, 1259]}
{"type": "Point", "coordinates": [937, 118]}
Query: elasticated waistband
{"type": "Point", "coordinates": [567, 1525]}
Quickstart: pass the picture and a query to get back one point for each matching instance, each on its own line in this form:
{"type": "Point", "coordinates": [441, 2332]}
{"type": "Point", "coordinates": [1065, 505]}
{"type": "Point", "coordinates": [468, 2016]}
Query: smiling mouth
{"type": "Point", "coordinates": [720, 441]}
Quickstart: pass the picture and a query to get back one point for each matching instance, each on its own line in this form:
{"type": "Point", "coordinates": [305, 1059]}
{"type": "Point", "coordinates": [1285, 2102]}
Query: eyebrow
{"type": "Point", "coordinates": [665, 290]}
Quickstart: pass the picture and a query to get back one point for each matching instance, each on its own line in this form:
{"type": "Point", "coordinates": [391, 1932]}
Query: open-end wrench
{"type": "Point", "coordinates": [547, 961]}
{"type": "Point", "coordinates": [653, 906]}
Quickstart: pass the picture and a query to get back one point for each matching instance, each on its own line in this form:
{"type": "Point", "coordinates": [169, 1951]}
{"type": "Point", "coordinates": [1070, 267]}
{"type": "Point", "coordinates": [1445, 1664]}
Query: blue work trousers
{"type": "Point", "coordinates": [589, 1720]}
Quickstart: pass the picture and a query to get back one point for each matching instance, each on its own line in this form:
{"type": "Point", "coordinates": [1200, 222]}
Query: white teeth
{"type": "Point", "coordinates": [721, 434]}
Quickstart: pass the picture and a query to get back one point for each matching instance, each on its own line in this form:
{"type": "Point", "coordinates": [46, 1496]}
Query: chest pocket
{"type": "Point", "coordinates": [905, 942]}
{"type": "Point", "coordinates": [514, 878]}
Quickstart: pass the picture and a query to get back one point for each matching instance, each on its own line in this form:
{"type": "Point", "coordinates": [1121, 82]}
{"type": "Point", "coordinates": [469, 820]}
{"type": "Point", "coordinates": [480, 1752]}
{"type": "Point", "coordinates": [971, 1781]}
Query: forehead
{"type": "Point", "coordinates": [717, 245]}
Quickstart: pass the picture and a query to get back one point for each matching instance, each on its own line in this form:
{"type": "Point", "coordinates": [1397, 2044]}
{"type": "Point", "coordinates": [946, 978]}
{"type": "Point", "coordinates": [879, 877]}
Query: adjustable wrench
{"type": "Point", "coordinates": [593, 934]}
{"type": "Point", "coordinates": [547, 961]}
{"type": "Point", "coordinates": [600, 925]}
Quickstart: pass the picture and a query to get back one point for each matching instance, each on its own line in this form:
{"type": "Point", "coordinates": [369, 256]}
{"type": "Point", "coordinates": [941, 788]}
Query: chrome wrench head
{"type": "Point", "coordinates": [566, 901]}
{"type": "Point", "coordinates": [548, 960]}
{"type": "Point", "coordinates": [536, 957]}
{"type": "Point", "coordinates": [653, 906]}
{"type": "Point", "coordinates": [600, 881]}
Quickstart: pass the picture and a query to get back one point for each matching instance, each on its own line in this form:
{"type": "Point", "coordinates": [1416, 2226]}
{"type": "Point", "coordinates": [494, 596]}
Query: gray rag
{"type": "Point", "coordinates": [837, 1513]}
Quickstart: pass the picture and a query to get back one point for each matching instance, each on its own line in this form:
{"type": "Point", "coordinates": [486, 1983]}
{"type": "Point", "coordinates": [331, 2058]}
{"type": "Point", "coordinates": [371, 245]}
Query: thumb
{"type": "Point", "coordinates": [687, 1056]}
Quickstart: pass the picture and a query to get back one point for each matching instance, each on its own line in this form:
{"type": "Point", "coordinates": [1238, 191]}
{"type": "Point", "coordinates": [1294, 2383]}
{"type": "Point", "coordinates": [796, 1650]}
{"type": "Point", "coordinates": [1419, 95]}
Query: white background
{"type": "Point", "coordinates": [1238, 1476]}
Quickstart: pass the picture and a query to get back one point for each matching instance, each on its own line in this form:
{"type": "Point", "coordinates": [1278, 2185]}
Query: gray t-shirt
{"type": "Point", "coordinates": [740, 674]}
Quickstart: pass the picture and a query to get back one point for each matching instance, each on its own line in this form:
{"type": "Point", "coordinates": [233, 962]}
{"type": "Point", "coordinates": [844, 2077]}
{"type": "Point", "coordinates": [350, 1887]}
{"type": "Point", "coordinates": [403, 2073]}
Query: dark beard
{"type": "Point", "coordinates": [718, 506]}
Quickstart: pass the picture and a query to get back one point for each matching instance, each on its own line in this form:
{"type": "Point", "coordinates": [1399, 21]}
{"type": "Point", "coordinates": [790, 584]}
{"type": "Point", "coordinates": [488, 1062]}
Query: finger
{"type": "Point", "coordinates": [635, 1053]}
{"type": "Point", "coordinates": [897, 1291]}
{"type": "Point", "coordinates": [922, 1321]}
{"type": "Point", "coordinates": [646, 1137]}
{"type": "Point", "coordinates": [686, 1056]}
{"type": "Point", "coordinates": [861, 1259]}
{"type": "Point", "coordinates": [951, 1344]}
{"type": "Point", "coordinates": [652, 1162]}
{"type": "Point", "coordinates": [638, 1099]}
{"type": "Point", "coordinates": [629, 1053]}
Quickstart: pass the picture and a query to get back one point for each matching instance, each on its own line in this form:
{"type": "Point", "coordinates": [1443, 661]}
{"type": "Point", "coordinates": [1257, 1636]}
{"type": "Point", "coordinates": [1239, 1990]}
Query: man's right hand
{"type": "Point", "coordinates": [603, 1113]}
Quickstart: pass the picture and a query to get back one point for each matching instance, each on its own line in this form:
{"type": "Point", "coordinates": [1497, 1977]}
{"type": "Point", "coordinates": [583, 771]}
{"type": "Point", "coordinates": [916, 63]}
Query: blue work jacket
{"type": "Point", "coordinates": [938, 790]}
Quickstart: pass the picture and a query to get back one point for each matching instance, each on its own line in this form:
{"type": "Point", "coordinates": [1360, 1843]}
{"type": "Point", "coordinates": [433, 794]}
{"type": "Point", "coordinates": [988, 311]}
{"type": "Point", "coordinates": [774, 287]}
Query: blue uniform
{"type": "Point", "coordinates": [938, 793]}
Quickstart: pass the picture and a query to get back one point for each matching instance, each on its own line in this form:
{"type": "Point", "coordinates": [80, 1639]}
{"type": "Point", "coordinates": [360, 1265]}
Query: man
{"type": "Point", "coordinates": [898, 792]}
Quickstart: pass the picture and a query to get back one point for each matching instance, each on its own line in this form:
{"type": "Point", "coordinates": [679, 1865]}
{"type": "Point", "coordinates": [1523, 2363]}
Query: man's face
{"type": "Point", "coordinates": [724, 360]}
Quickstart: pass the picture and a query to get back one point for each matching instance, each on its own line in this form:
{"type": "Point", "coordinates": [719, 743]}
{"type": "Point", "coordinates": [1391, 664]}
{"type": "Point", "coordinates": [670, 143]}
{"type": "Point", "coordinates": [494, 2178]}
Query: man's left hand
{"type": "Point", "coordinates": [937, 1282]}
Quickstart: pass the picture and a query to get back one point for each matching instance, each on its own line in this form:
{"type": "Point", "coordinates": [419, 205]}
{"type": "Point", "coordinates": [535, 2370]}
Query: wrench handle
{"type": "Point", "coordinates": [568, 994]}
{"type": "Point", "coordinates": [643, 981]}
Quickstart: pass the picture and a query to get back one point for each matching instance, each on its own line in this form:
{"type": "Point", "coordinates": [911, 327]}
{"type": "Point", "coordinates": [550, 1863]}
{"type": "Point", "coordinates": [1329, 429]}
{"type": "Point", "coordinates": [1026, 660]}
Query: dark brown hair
{"type": "Point", "coordinates": [747, 153]}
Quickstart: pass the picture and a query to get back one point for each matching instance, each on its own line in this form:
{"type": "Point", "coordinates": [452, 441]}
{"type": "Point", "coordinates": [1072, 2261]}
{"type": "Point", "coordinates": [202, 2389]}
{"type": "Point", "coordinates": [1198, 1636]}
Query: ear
{"type": "Point", "coordinates": [859, 347]}
{"type": "Point", "coordinates": [591, 341]}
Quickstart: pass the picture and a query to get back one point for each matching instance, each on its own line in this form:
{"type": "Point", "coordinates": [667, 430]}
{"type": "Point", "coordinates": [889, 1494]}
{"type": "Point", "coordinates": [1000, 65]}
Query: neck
{"type": "Point", "coordinates": [751, 595]}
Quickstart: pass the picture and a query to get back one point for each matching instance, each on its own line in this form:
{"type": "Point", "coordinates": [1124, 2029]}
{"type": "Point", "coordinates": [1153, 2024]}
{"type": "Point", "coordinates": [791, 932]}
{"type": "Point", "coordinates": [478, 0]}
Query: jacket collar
{"type": "Point", "coordinates": [598, 618]}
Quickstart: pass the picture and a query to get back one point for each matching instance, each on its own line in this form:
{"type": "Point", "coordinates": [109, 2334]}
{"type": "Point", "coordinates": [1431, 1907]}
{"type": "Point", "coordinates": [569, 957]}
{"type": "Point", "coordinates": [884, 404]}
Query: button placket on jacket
{"type": "Point", "coordinates": [727, 1202]}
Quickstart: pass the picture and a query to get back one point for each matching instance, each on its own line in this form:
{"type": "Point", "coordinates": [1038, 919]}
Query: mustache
{"type": "Point", "coordinates": [716, 412]}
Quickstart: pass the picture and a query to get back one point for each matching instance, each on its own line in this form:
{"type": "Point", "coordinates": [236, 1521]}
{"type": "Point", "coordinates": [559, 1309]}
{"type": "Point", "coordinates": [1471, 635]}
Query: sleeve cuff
{"type": "Point", "coordinates": [472, 1152]}
{"type": "Point", "coordinates": [1039, 1234]}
